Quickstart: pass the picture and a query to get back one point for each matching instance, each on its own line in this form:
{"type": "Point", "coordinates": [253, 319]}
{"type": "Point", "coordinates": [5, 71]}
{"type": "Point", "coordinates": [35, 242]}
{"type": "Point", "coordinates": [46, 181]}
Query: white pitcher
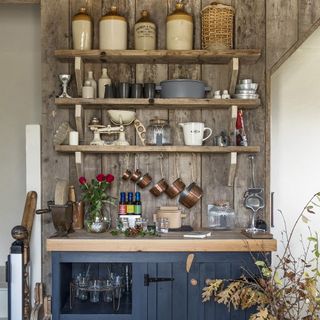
{"type": "Point", "coordinates": [193, 133]}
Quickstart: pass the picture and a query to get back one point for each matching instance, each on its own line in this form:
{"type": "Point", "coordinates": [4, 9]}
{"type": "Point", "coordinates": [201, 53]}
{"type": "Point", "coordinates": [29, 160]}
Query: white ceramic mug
{"type": "Point", "coordinates": [193, 133]}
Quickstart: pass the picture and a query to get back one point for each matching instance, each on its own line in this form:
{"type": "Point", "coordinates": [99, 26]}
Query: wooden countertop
{"type": "Point", "coordinates": [220, 241]}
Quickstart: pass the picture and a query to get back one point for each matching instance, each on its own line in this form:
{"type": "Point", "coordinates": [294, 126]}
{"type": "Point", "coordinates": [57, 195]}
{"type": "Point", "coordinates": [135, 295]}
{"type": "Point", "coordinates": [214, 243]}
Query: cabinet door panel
{"type": "Point", "coordinates": [179, 291]}
{"type": "Point", "coordinates": [194, 293]}
{"type": "Point", "coordinates": [164, 292]}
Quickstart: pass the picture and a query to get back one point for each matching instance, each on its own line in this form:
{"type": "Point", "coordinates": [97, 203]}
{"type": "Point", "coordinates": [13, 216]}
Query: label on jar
{"type": "Point", "coordinates": [138, 209]}
{"type": "Point", "coordinates": [130, 208]}
{"type": "Point", "coordinates": [145, 30]}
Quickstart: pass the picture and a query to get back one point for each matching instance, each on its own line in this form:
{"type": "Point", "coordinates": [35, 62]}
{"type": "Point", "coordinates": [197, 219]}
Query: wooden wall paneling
{"type": "Point", "coordinates": [53, 165]}
{"type": "Point", "coordinates": [152, 73]}
{"type": "Point", "coordinates": [92, 164]}
{"type": "Point", "coordinates": [20, 2]}
{"type": "Point", "coordinates": [187, 164]}
{"type": "Point", "coordinates": [215, 168]}
{"type": "Point", "coordinates": [309, 13]}
{"type": "Point", "coordinates": [250, 32]}
{"type": "Point", "coordinates": [117, 163]}
{"type": "Point", "coordinates": [282, 28]}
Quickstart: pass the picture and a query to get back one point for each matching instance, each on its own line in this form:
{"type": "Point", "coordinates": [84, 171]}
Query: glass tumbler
{"type": "Point", "coordinates": [83, 284]}
{"type": "Point", "coordinates": [162, 225]}
{"type": "Point", "coordinates": [95, 286]}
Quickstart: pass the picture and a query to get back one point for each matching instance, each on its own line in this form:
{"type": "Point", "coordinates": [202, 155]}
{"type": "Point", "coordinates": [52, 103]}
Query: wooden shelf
{"type": "Point", "coordinates": [158, 103]}
{"type": "Point", "coordinates": [162, 56]}
{"type": "Point", "coordinates": [152, 149]}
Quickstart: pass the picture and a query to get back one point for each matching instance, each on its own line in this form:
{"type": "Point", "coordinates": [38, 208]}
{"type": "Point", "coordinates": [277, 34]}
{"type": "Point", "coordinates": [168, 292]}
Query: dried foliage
{"type": "Point", "coordinates": [287, 291]}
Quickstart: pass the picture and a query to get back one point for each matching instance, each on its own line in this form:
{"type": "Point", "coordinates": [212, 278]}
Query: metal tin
{"type": "Point", "coordinates": [191, 195]}
{"type": "Point", "coordinates": [159, 187]}
{"type": "Point", "coordinates": [175, 188]}
{"type": "Point", "coordinates": [144, 181]}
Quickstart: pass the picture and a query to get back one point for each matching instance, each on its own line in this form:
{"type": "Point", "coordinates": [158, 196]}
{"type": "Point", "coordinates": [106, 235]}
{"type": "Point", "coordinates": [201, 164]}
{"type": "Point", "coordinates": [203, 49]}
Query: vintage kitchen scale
{"type": "Point", "coordinates": [120, 118]}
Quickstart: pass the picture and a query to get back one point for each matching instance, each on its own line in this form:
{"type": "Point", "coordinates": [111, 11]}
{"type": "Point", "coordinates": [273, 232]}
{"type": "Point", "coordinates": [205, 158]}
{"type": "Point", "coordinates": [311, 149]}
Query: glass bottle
{"type": "Point", "coordinates": [93, 83]}
{"type": "Point", "coordinates": [145, 33]}
{"type": "Point", "coordinates": [122, 203]}
{"type": "Point", "coordinates": [179, 34]}
{"type": "Point", "coordinates": [137, 203]}
{"type": "Point", "coordinates": [104, 80]}
{"type": "Point", "coordinates": [113, 31]}
{"type": "Point", "coordinates": [82, 30]}
{"type": "Point", "coordinates": [158, 133]}
{"type": "Point", "coordinates": [130, 204]}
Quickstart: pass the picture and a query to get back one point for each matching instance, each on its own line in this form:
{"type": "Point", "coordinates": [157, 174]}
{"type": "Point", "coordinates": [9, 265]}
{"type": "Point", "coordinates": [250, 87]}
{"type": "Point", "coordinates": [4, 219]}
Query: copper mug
{"type": "Point", "coordinates": [144, 181]}
{"type": "Point", "coordinates": [136, 175]}
{"type": "Point", "coordinates": [159, 187]}
{"type": "Point", "coordinates": [126, 175]}
{"type": "Point", "coordinates": [191, 195]}
{"type": "Point", "coordinates": [175, 188]}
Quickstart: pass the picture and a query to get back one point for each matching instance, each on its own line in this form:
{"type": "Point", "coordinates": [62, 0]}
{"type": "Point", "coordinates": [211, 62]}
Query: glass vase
{"type": "Point", "coordinates": [97, 221]}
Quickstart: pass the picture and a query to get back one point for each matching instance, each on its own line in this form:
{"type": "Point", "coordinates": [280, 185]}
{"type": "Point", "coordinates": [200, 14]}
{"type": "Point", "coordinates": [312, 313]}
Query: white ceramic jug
{"type": "Point", "coordinates": [193, 133]}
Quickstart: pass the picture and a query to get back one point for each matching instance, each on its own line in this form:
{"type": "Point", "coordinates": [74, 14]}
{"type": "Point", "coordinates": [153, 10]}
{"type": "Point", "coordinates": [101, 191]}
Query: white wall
{"type": "Point", "coordinates": [20, 104]}
{"type": "Point", "coordinates": [295, 149]}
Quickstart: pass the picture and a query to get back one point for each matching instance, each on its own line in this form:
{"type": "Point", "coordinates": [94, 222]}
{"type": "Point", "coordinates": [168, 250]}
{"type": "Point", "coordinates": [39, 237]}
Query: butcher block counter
{"type": "Point", "coordinates": [219, 241]}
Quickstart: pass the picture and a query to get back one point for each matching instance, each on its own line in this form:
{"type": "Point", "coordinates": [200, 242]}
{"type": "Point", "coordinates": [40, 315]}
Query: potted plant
{"type": "Point", "coordinates": [95, 197]}
{"type": "Point", "coordinates": [286, 291]}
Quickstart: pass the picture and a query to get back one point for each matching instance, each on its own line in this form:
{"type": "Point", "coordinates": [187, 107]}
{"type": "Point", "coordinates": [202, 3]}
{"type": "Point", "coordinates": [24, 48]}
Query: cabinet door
{"type": "Point", "coordinates": [168, 299]}
{"type": "Point", "coordinates": [223, 270]}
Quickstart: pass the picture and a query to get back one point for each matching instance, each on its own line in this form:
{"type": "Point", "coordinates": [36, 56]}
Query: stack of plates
{"type": "Point", "coordinates": [246, 89]}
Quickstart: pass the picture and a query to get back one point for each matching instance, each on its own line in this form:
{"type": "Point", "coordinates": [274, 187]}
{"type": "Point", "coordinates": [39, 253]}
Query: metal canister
{"type": "Point", "coordinates": [179, 29]}
{"type": "Point", "coordinates": [113, 31]}
{"type": "Point", "coordinates": [145, 33]}
{"type": "Point", "coordinates": [82, 30]}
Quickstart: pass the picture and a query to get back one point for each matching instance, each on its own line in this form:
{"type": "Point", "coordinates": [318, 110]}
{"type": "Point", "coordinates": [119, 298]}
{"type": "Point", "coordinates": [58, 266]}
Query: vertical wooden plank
{"type": "Point", "coordinates": [194, 293]}
{"type": "Point", "coordinates": [215, 167]}
{"type": "Point", "coordinates": [164, 292]}
{"type": "Point", "coordinates": [309, 13]}
{"type": "Point", "coordinates": [152, 73]}
{"type": "Point", "coordinates": [116, 164]}
{"type": "Point", "coordinates": [282, 28]}
{"type": "Point", "coordinates": [179, 291]}
{"type": "Point", "coordinates": [256, 121]}
{"type": "Point", "coordinates": [53, 165]}
{"type": "Point", "coordinates": [187, 164]}
{"type": "Point", "coordinates": [152, 293]}
{"type": "Point", "coordinates": [207, 271]}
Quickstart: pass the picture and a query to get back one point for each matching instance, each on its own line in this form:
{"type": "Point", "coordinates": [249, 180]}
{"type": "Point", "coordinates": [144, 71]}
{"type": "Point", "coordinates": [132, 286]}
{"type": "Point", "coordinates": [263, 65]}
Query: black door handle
{"type": "Point", "coordinates": [148, 279]}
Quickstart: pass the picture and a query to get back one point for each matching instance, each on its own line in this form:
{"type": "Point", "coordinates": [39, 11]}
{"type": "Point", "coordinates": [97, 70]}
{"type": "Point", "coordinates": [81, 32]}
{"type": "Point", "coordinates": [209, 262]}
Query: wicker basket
{"type": "Point", "coordinates": [217, 27]}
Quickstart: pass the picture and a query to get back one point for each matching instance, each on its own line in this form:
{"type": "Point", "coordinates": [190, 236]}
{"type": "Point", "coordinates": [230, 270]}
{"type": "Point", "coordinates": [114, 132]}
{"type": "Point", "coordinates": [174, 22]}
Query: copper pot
{"type": "Point", "coordinates": [159, 187]}
{"type": "Point", "coordinates": [191, 195]}
{"type": "Point", "coordinates": [136, 175]}
{"type": "Point", "coordinates": [175, 188]}
{"type": "Point", "coordinates": [126, 175]}
{"type": "Point", "coordinates": [144, 181]}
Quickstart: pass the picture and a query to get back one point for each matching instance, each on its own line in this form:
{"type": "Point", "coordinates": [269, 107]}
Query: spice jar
{"type": "Point", "coordinates": [145, 33]}
{"type": "Point", "coordinates": [179, 34]}
{"type": "Point", "coordinates": [158, 133]}
{"type": "Point", "coordinates": [113, 31]}
{"type": "Point", "coordinates": [82, 30]}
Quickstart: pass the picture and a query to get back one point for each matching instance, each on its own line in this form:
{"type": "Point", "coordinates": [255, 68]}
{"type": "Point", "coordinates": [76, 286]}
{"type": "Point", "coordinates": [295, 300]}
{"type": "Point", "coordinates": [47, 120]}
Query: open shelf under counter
{"type": "Point", "coordinates": [153, 149]}
{"type": "Point", "coordinates": [162, 56]}
{"type": "Point", "coordinates": [183, 103]}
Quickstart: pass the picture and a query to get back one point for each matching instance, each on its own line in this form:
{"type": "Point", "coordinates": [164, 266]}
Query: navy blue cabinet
{"type": "Point", "coordinates": [161, 287]}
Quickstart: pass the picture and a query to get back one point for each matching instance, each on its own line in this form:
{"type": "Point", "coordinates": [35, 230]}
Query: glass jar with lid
{"type": "Point", "coordinates": [221, 216]}
{"type": "Point", "coordinates": [158, 133]}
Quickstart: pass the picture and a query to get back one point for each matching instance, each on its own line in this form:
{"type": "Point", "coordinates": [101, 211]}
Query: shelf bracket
{"type": "Point", "coordinates": [232, 168]}
{"type": "Point", "coordinates": [234, 71]}
{"type": "Point", "coordinates": [79, 69]}
{"type": "Point", "coordinates": [79, 122]}
{"type": "Point", "coordinates": [79, 163]}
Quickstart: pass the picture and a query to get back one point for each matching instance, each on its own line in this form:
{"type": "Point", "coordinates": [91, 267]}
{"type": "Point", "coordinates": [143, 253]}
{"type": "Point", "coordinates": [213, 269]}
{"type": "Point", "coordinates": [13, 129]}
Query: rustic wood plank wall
{"type": "Point", "coordinates": [273, 26]}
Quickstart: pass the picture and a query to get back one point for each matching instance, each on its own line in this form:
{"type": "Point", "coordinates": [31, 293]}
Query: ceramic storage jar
{"type": "Point", "coordinates": [82, 30]}
{"type": "Point", "coordinates": [113, 31]}
{"type": "Point", "coordinates": [179, 34]}
{"type": "Point", "coordinates": [145, 33]}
